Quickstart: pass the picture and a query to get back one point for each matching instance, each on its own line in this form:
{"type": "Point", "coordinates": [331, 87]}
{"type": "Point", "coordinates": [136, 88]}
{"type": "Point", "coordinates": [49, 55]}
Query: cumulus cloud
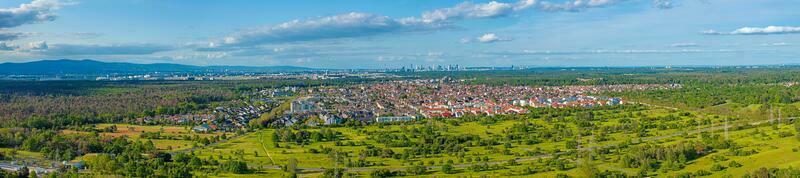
{"type": "Point", "coordinates": [92, 49]}
{"type": "Point", "coordinates": [769, 30]}
{"type": "Point", "coordinates": [33, 12]}
{"type": "Point", "coordinates": [664, 4]}
{"type": "Point", "coordinates": [37, 45]}
{"type": "Point", "coordinates": [7, 46]}
{"type": "Point", "coordinates": [340, 26]}
{"type": "Point", "coordinates": [471, 10]}
{"type": "Point", "coordinates": [356, 24]}
{"type": "Point", "coordinates": [485, 38]}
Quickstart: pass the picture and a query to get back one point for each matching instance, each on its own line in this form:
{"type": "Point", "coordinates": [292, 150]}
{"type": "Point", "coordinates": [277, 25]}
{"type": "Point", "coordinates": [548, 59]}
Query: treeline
{"type": "Point", "coordinates": [139, 159]}
{"type": "Point", "coordinates": [115, 156]}
{"type": "Point", "coordinates": [110, 104]}
{"type": "Point", "coordinates": [671, 157]}
{"type": "Point", "coordinates": [605, 76]}
{"type": "Point", "coordinates": [707, 95]}
{"type": "Point", "coordinates": [773, 172]}
{"type": "Point", "coordinates": [304, 136]}
{"type": "Point", "coordinates": [51, 144]}
{"type": "Point", "coordinates": [123, 101]}
{"type": "Point", "coordinates": [674, 157]}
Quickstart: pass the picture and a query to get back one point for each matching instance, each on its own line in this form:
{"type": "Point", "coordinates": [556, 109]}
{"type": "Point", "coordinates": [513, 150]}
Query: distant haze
{"type": "Point", "coordinates": [392, 34]}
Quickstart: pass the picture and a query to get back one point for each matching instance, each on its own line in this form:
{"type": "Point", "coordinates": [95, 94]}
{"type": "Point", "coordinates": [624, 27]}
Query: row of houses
{"type": "Point", "coordinates": [410, 99]}
{"type": "Point", "coordinates": [572, 101]}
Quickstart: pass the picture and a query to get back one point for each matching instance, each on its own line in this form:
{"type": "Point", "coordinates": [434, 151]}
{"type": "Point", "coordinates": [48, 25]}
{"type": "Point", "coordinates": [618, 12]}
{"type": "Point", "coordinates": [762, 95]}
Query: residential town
{"type": "Point", "coordinates": [225, 118]}
{"type": "Point", "coordinates": [411, 99]}
{"type": "Point", "coordinates": [397, 101]}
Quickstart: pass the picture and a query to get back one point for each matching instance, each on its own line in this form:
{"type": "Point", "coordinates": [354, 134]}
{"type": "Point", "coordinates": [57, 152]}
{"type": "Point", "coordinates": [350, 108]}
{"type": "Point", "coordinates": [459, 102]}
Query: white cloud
{"type": "Point", "coordinates": [485, 38]}
{"type": "Point", "coordinates": [493, 9]}
{"type": "Point", "coordinates": [776, 44]}
{"type": "Point", "coordinates": [352, 24]}
{"type": "Point", "coordinates": [7, 46]}
{"type": "Point", "coordinates": [664, 4]}
{"type": "Point", "coordinates": [575, 5]}
{"type": "Point", "coordinates": [711, 32]}
{"type": "Point", "coordinates": [356, 24]}
{"type": "Point", "coordinates": [37, 45]}
{"type": "Point", "coordinates": [488, 38]}
{"type": "Point", "coordinates": [200, 55]}
{"type": "Point", "coordinates": [684, 45]}
{"type": "Point", "coordinates": [33, 12]}
{"type": "Point", "coordinates": [769, 30]}
{"type": "Point", "coordinates": [470, 10]}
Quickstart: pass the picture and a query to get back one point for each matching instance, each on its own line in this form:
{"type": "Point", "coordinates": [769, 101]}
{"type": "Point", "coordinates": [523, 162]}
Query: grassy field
{"type": "Point", "coordinates": [266, 156]}
{"type": "Point", "coordinates": [174, 138]}
{"type": "Point", "coordinates": [10, 152]}
{"type": "Point", "coordinates": [773, 151]}
{"type": "Point", "coordinates": [261, 153]}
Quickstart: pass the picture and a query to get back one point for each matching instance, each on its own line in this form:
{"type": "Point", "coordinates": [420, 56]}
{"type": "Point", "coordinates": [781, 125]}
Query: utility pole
{"type": "Point", "coordinates": [779, 117]}
{"type": "Point", "coordinates": [336, 163]}
{"type": "Point", "coordinates": [772, 116]}
{"type": "Point", "coordinates": [579, 141]}
{"type": "Point", "coordinates": [726, 128]}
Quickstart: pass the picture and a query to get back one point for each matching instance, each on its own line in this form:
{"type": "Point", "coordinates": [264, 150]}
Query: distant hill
{"type": "Point", "coordinates": [87, 66]}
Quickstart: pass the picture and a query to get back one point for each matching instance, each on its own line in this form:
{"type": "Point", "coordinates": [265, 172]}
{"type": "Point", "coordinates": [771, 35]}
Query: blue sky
{"type": "Point", "coordinates": [391, 34]}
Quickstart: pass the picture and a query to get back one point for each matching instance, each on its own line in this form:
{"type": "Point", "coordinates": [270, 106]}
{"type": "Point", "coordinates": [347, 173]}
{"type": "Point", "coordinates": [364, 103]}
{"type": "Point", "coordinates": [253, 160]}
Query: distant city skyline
{"type": "Point", "coordinates": [394, 34]}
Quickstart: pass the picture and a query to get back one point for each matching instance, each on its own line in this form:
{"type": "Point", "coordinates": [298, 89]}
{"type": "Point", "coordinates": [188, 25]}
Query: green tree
{"type": "Point", "coordinates": [448, 168]}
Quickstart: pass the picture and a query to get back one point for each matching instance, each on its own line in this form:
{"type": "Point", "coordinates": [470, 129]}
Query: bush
{"type": "Point", "coordinates": [382, 173]}
{"type": "Point", "coordinates": [702, 173]}
{"type": "Point", "coordinates": [236, 167]}
{"type": "Point", "coordinates": [734, 164]}
{"type": "Point", "coordinates": [333, 173]}
{"type": "Point", "coordinates": [448, 169]}
{"type": "Point", "coordinates": [417, 170]}
{"type": "Point", "coordinates": [717, 167]}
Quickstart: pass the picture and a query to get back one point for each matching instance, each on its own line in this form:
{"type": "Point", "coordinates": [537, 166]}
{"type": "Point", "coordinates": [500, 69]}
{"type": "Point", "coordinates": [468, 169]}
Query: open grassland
{"type": "Point", "coordinates": [662, 126]}
{"type": "Point", "coordinates": [172, 138]}
{"type": "Point", "coordinates": [772, 150]}
{"type": "Point", "coordinates": [134, 131]}
{"type": "Point", "coordinates": [14, 153]}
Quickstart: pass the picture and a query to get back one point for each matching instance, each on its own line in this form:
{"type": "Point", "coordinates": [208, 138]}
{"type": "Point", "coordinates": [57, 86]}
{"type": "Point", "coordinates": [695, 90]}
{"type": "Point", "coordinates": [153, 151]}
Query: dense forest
{"type": "Point", "coordinates": [604, 76]}
{"type": "Point", "coordinates": [706, 95]}
{"type": "Point", "coordinates": [82, 102]}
